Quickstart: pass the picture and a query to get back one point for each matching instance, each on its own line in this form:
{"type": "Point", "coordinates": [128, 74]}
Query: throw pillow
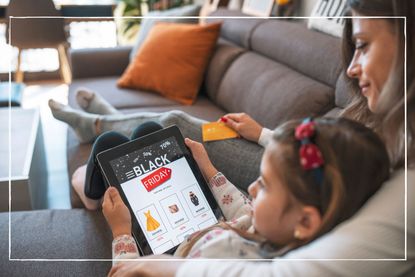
{"type": "Point", "coordinates": [331, 26]}
{"type": "Point", "coordinates": [172, 60]}
{"type": "Point", "coordinates": [149, 20]}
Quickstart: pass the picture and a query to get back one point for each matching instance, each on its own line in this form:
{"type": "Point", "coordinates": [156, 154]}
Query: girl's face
{"type": "Point", "coordinates": [373, 58]}
{"type": "Point", "coordinates": [275, 212]}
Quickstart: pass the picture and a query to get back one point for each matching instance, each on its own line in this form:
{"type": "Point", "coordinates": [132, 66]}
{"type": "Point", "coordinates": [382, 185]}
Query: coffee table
{"type": "Point", "coordinates": [28, 162]}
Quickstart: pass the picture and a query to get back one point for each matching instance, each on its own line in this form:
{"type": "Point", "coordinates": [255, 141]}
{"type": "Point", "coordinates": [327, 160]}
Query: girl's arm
{"type": "Point", "coordinates": [124, 247]}
{"type": "Point", "coordinates": [119, 220]}
{"type": "Point", "coordinates": [233, 203]}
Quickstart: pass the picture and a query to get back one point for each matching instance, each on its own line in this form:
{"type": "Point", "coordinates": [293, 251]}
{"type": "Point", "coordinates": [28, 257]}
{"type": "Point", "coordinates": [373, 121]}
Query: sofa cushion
{"type": "Point", "coordinates": [314, 54]}
{"type": "Point", "coordinates": [222, 58]}
{"type": "Point", "coordinates": [98, 62]}
{"type": "Point", "coordinates": [254, 81]}
{"type": "Point", "coordinates": [342, 94]}
{"type": "Point", "coordinates": [172, 60]}
{"type": "Point", "coordinates": [55, 234]}
{"type": "Point", "coordinates": [237, 31]}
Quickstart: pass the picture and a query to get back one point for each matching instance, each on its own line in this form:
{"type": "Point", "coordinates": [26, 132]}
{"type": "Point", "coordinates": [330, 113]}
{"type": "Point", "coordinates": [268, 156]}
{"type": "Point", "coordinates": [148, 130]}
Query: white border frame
{"type": "Point", "coordinates": [405, 258]}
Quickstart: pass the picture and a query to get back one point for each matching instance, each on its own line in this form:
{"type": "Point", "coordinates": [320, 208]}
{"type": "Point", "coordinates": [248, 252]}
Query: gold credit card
{"type": "Point", "coordinates": [217, 131]}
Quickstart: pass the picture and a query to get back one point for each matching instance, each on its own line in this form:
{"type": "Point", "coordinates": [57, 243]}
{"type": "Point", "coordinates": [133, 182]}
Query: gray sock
{"type": "Point", "coordinates": [83, 123]}
{"type": "Point", "coordinates": [92, 102]}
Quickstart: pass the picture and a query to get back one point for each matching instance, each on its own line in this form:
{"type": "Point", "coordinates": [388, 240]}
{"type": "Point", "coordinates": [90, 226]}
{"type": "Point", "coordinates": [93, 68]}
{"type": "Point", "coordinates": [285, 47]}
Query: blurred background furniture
{"type": "Point", "coordinates": [28, 164]}
{"type": "Point", "coordinates": [29, 33]}
{"type": "Point", "coordinates": [12, 92]}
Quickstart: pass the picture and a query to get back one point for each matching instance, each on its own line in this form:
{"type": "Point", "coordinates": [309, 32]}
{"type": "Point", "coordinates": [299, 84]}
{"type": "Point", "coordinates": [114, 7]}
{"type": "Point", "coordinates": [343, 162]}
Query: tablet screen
{"type": "Point", "coordinates": [165, 196]}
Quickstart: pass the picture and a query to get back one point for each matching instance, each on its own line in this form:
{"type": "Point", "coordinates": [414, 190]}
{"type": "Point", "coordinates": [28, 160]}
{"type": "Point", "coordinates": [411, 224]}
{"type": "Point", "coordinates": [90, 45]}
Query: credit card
{"type": "Point", "coordinates": [217, 131]}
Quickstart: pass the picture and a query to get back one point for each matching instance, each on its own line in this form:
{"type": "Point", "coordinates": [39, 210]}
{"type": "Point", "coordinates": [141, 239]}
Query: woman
{"type": "Point", "coordinates": [374, 55]}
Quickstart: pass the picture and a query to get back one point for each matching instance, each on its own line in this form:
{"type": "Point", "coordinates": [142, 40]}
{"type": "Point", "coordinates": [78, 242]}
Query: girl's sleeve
{"type": "Point", "coordinates": [124, 247]}
{"type": "Point", "coordinates": [233, 203]}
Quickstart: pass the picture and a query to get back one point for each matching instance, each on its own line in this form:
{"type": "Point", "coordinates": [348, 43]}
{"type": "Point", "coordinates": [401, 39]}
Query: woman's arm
{"type": "Point", "coordinates": [247, 128]}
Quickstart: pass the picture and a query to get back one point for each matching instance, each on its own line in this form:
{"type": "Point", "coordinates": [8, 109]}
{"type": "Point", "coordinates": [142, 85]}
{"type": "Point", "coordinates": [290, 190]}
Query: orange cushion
{"type": "Point", "coordinates": [172, 60]}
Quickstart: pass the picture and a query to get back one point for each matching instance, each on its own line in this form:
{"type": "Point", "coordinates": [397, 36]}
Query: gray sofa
{"type": "Point", "coordinates": [273, 70]}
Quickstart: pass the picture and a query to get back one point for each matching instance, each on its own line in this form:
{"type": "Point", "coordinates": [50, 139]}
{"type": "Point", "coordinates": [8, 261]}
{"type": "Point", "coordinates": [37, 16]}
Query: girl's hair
{"type": "Point", "coordinates": [355, 166]}
{"type": "Point", "coordinates": [388, 120]}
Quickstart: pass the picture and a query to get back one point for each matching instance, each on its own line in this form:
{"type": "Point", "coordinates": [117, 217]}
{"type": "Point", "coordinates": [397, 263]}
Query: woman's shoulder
{"type": "Point", "coordinates": [377, 230]}
{"type": "Point", "coordinates": [388, 203]}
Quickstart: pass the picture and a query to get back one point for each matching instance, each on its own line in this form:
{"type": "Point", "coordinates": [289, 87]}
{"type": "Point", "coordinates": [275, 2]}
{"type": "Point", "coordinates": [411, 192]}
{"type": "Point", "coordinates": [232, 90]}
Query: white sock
{"type": "Point", "coordinates": [83, 123]}
{"type": "Point", "coordinates": [92, 102]}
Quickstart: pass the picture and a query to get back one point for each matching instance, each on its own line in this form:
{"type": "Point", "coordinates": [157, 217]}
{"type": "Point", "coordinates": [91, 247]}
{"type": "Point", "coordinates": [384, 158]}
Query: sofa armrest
{"type": "Point", "coordinates": [98, 62]}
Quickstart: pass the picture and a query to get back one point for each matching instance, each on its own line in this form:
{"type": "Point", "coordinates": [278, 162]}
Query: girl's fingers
{"type": "Point", "coordinates": [114, 195]}
{"type": "Point", "coordinates": [107, 198]}
{"type": "Point", "coordinates": [114, 269]}
{"type": "Point", "coordinates": [189, 143]}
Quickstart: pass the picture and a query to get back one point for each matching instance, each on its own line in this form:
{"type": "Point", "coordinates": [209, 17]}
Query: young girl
{"type": "Point", "coordinates": [314, 175]}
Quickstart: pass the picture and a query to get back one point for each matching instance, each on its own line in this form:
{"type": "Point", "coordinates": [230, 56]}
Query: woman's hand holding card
{"type": "Point", "coordinates": [243, 124]}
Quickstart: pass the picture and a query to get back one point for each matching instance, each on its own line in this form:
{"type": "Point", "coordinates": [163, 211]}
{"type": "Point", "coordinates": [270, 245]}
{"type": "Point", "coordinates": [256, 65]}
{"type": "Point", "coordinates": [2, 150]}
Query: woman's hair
{"type": "Point", "coordinates": [388, 120]}
{"type": "Point", "coordinates": [356, 164]}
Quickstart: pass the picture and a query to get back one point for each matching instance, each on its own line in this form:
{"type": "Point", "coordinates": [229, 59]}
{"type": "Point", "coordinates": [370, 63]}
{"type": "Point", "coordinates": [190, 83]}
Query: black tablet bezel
{"type": "Point", "coordinates": [104, 158]}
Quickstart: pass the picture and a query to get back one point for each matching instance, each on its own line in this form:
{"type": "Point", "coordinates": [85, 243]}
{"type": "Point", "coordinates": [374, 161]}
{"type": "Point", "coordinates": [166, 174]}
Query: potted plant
{"type": "Point", "coordinates": [127, 28]}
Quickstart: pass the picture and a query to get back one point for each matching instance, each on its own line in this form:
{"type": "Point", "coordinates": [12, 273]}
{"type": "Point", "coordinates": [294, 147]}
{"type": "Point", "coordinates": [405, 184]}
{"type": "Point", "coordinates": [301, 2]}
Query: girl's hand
{"type": "Point", "coordinates": [202, 159]}
{"type": "Point", "coordinates": [243, 124]}
{"type": "Point", "coordinates": [146, 268]}
{"type": "Point", "coordinates": [116, 213]}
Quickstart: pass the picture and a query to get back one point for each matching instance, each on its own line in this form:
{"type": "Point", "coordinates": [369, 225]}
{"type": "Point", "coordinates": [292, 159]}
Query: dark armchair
{"type": "Point", "coordinates": [29, 33]}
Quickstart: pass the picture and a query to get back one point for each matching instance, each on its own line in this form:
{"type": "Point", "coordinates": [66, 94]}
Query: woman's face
{"type": "Point", "coordinates": [270, 198]}
{"type": "Point", "coordinates": [373, 58]}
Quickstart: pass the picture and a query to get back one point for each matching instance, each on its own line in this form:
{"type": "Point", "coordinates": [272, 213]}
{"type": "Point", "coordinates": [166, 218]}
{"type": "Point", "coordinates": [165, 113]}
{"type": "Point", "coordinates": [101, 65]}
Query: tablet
{"type": "Point", "coordinates": [162, 186]}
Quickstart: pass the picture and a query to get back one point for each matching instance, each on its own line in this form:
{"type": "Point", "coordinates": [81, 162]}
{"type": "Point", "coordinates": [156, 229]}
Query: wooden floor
{"type": "Point", "coordinates": [36, 95]}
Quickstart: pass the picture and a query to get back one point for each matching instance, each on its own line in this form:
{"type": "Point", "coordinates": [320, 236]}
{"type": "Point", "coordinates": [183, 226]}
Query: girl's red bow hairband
{"type": "Point", "coordinates": [310, 155]}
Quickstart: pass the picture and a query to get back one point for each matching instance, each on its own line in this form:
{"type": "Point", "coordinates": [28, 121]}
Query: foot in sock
{"type": "Point", "coordinates": [92, 102]}
{"type": "Point", "coordinates": [83, 123]}
{"type": "Point", "coordinates": [78, 183]}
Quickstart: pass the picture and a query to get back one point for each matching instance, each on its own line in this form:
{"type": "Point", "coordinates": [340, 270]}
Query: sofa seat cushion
{"type": "Point", "coordinates": [119, 98]}
{"type": "Point", "coordinates": [55, 234]}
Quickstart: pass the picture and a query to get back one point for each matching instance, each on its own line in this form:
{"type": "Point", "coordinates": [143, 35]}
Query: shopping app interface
{"type": "Point", "coordinates": [165, 196]}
